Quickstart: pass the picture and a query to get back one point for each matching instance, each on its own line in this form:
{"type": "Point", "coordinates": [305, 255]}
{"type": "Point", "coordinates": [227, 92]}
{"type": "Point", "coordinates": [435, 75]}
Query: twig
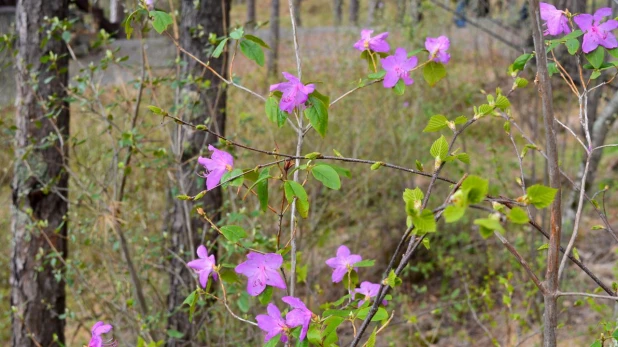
{"type": "Point", "coordinates": [596, 296]}
{"type": "Point", "coordinates": [522, 262]}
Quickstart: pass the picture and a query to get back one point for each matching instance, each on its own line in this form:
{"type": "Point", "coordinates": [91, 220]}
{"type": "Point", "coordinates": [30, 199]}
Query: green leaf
{"type": "Point", "coordinates": [175, 334]}
{"type": "Point", "coordinates": [392, 280]}
{"type": "Point", "coordinates": [413, 195]}
{"type": "Point", "coordinates": [191, 301]}
{"type": "Point", "coordinates": [598, 227]}
{"type": "Point", "coordinates": [521, 61]}
{"type": "Point", "coordinates": [597, 343]}
{"type": "Point", "coordinates": [314, 335]}
{"type": "Point", "coordinates": [424, 222]}
{"type": "Point", "coordinates": [615, 334]}
{"type": "Point", "coordinates": [426, 243]}
{"type": "Point", "coordinates": [376, 165]}
{"type": "Point", "coordinates": [377, 75]}
{"type": "Point", "coordinates": [219, 49]}
{"type": "Point", "coordinates": [237, 33]}
{"type": "Point", "coordinates": [572, 46]}
{"type": "Point", "coordinates": [365, 263]}
{"type": "Point", "coordinates": [521, 82]}
{"type": "Point", "coordinates": [233, 233]}
{"type": "Point", "coordinates": [342, 171]}
{"type": "Point", "coordinates": [573, 35]}
{"type": "Point", "coordinates": [400, 87]}
{"type": "Point", "coordinates": [475, 188]}
{"type": "Point", "coordinates": [518, 216]}
{"type": "Point", "coordinates": [237, 182]}
{"type": "Point", "coordinates": [595, 58]}
{"type": "Point", "coordinates": [252, 51]}
{"type": "Point", "coordinates": [294, 189]}
{"type": "Point", "coordinates": [327, 175]}
{"type": "Point", "coordinates": [502, 102]}
{"type": "Point", "coordinates": [381, 314]}
{"type": "Point", "coordinates": [371, 341]}
{"type": "Point", "coordinates": [453, 213]}
{"type": "Point", "coordinates": [243, 302]}
{"type": "Point", "coordinates": [439, 149]}
{"type": "Point", "coordinates": [229, 276]}
{"type": "Point", "coordinates": [487, 226]}
{"type": "Point", "coordinates": [552, 69]}
{"type": "Point", "coordinates": [461, 120]}
{"type": "Point", "coordinates": [160, 20]}
{"type": "Point", "coordinates": [543, 247]}
{"type": "Point", "coordinates": [257, 40]}
{"type": "Point", "coordinates": [317, 114]}
{"type": "Point", "coordinates": [436, 123]}
{"type": "Point", "coordinates": [463, 157]}
{"type": "Point", "coordinates": [261, 189]}
{"type": "Point", "coordinates": [274, 113]}
{"type": "Point", "coordinates": [613, 52]}
{"type": "Point", "coordinates": [266, 295]}
{"type": "Point", "coordinates": [433, 72]}
{"type": "Point", "coordinates": [273, 342]}
{"type": "Point", "coordinates": [540, 196]}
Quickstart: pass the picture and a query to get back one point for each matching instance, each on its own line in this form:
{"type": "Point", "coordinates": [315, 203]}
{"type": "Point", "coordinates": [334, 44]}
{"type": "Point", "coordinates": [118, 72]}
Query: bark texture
{"type": "Point", "coordinates": [40, 182]}
{"type": "Point", "coordinates": [338, 11]}
{"type": "Point", "coordinates": [251, 14]}
{"type": "Point", "coordinates": [354, 5]}
{"type": "Point", "coordinates": [273, 53]}
{"type": "Point", "coordinates": [187, 231]}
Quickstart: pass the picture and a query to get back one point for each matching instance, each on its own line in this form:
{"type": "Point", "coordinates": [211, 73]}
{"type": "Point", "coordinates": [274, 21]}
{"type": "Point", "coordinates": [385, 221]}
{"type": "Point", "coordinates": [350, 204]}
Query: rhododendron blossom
{"type": "Point", "coordinates": [216, 166]}
{"type": "Point", "coordinates": [261, 270]}
{"type": "Point", "coordinates": [272, 323]}
{"type": "Point", "coordinates": [377, 43]}
{"type": "Point", "coordinates": [203, 266]}
{"type": "Point", "coordinates": [437, 48]}
{"type": "Point", "coordinates": [99, 328]}
{"type": "Point", "coordinates": [299, 316]}
{"type": "Point", "coordinates": [295, 93]}
{"type": "Point", "coordinates": [555, 20]}
{"type": "Point", "coordinates": [342, 263]}
{"type": "Point", "coordinates": [596, 33]}
{"type": "Point", "coordinates": [398, 67]}
{"type": "Point", "coordinates": [369, 290]}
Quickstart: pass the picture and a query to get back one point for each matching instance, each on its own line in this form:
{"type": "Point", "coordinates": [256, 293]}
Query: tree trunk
{"type": "Point", "coordinates": [116, 11]}
{"type": "Point", "coordinates": [482, 9]}
{"type": "Point", "coordinates": [251, 15]}
{"type": "Point", "coordinates": [187, 231]}
{"type": "Point", "coordinates": [297, 17]}
{"type": "Point", "coordinates": [413, 11]}
{"type": "Point", "coordinates": [401, 10]}
{"type": "Point", "coordinates": [39, 225]}
{"type": "Point", "coordinates": [374, 13]}
{"type": "Point", "coordinates": [338, 11]}
{"type": "Point", "coordinates": [273, 53]}
{"type": "Point", "coordinates": [354, 5]}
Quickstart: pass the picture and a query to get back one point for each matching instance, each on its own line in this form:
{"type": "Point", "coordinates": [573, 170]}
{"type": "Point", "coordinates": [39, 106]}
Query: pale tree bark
{"type": "Point", "coordinates": [413, 11]}
{"type": "Point", "coordinates": [39, 220]}
{"type": "Point", "coordinates": [338, 11]}
{"type": "Point", "coordinates": [186, 229]}
{"type": "Point", "coordinates": [273, 53]}
{"type": "Point", "coordinates": [375, 10]}
{"type": "Point", "coordinates": [116, 11]}
{"type": "Point", "coordinates": [354, 5]}
{"type": "Point", "coordinates": [251, 15]}
{"type": "Point", "coordinates": [550, 317]}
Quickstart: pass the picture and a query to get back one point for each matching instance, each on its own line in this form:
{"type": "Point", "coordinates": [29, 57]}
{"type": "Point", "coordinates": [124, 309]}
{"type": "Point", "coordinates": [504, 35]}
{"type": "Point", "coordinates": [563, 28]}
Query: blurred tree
{"type": "Point", "coordinates": [354, 5]}
{"type": "Point", "coordinates": [297, 17]}
{"type": "Point", "coordinates": [375, 11]}
{"type": "Point", "coordinates": [251, 15]}
{"type": "Point", "coordinates": [273, 52]}
{"type": "Point", "coordinates": [116, 11]}
{"type": "Point", "coordinates": [40, 183]}
{"type": "Point", "coordinates": [204, 101]}
{"type": "Point", "coordinates": [338, 11]}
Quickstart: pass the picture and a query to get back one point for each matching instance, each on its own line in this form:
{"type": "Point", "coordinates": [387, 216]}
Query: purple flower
{"type": "Point", "coordinates": [342, 263]}
{"type": "Point", "coordinates": [219, 162]}
{"type": "Point", "coordinates": [377, 43]}
{"type": "Point", "coordinates": [596, 33]}
{"type": "Point", "coordinates": [261, 270]}
{"type": "Point", "coordinates": [299, 316]}
{"type": "Point", "coordinates": [398, 67]}
{"type": "Point", "coordinates": [295, 94]}
{"type": "Point", "coordinates": [98, 329]}
{"type": "Point", "coordinates": [369, 290]}
{"type": "Point", "coordinates": [437, 48]}
{"type": "Point", "coordinates": [555, 20]}
{"type": "Point", "coordinates": [272, 323]}
{"type": "Point", "coordinates": [203, 266]}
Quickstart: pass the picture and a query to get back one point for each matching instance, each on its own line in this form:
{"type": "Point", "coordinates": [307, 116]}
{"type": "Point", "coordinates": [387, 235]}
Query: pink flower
{"type": "Point", "coordinates": [437, 48]}
{"type": "Point", "coordinates": [342, 263]}
{"type": "Point", "coordinates": [299, 316]}
{"type": "Point", "coordinates": [369, 290]}
{"type": "Point", "coordinates": [398, 67]}
{"type": "Point", "coordinates": [203, 266]}
{"type": "Point", "coordinates": [261, 270]}
{"type": "Point", "coordinates": [596, 33]}
{"type": "Point", "coordinates": [219, 162]}
{"type": "Point", "coordinates": [555, 20]}
{"type": "Point", "coordinates": [377, 43]}
{"type": "Point", "coordinates": [295, 94]}
{"type": "Point", "coordinates": [272, 323]}
{"type": "Point", "coordinates": [96, 340]}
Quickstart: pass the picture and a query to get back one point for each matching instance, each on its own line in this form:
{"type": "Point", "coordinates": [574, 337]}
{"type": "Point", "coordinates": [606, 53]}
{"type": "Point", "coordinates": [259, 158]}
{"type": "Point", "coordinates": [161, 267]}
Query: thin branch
{"type": "Point", "coordinates": [522, 262]}
{"type": "Point", "coordinates": [596, 296]}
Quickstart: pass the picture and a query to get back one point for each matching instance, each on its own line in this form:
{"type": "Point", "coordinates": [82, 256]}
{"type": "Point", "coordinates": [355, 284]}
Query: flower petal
{"type": "Point", "coordinates": [590, 42]}
{"type": "Point", "coordinates": [601, 13]}
{"type": "Point", "coordinates": [197, 264]}
{"type": "Point", "coordinates": [366, 34]}
{"type": "Point", "coordinates": [390, 79]}
{"type": "Point", "coordinates": [343, 251]}
{"type": "Point", "coordinates": [338, 274]}
{"type": "Point", "coordinates": [202, 252]}
{"type": "Point", "coordinates": [101, 328]}
{"type": "Point", "coordinates": [583, 21]}
{"type": "Point", "coordinates": [273, 278]}
{"type": "Point", "coordinates": [213, 178]}
{"type": "Point", "coordinates": [609, 25]}
{"type": "Point", "coordinates": [204, 277]}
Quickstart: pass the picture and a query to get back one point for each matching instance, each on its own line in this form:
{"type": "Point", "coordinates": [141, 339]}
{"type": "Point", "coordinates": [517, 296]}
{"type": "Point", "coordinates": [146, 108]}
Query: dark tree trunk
{"type": "Point", "coordinates": [187, 231]}
{"type": "Point", "coordinates": [40, 182]}
{"type": "Point", "coordinates": [482, 9]}
{"type": "Point", "coordinates": [251, 14]}
{"type": "Point", "coordinates": [273, 53]}
{"type": "Point", "coordinates": [354, 5]}
{"type": "Point", "coordinates": [375, 11]}
{"type": "Point", "coordinates": [338, 11]}
{"type": "Point", "coordinates": [297, 17]}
